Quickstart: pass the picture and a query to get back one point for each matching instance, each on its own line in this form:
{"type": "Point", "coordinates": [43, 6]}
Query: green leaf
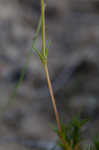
{"type": "Point", "coordinates": [83, 122]}
{"type": "Point", "coordinates": [14, 92]}
{"type": "Point", "coordinates": [36, 32]}
{"type": "Point", "coordinates": [38, 53]}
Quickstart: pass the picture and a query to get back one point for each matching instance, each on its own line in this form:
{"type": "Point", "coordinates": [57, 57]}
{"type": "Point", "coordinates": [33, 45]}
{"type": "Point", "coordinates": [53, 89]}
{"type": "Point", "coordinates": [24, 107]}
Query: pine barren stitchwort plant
{"type": "Point", "coordinates": [69, 135]}
{"type": "Point", "coordinates": [43, 57]}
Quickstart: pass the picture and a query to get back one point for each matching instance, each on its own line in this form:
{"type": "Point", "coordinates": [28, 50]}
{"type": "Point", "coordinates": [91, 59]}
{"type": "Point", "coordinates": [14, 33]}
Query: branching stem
{"type": "Point", "coordinates": [44, 62]}
{"type": "Point", "coordinates": [46, 68]}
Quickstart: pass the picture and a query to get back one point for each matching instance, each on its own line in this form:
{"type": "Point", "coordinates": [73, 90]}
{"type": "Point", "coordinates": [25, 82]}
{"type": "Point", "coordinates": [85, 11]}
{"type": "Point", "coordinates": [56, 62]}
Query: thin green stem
{"type": "Point", "coordinates": [13, 95]}
{"type": "Point", "coordinates": [43, 26]}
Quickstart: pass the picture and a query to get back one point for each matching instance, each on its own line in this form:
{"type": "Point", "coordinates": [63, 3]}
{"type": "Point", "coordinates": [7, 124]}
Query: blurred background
{"type": "Point", "coordinates": [72, 26]}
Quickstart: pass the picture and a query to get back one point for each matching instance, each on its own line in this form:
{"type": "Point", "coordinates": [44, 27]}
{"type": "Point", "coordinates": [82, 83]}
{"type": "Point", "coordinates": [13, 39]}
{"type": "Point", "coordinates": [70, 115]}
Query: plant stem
{"type": "Point", "coordinates": [52, 97]}
{"type": "Point", "coordinates": [44, 62]}
{"type": "Point", "coordinates": [45, 66]}
{"type": "Point", "coordinates": [43, 27]}
{"type": "Point", "coordinates": [66, 146]}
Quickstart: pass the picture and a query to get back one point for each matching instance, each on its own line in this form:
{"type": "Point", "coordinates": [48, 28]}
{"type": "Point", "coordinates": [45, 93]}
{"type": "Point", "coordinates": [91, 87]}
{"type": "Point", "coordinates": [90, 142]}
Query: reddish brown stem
{"type": "Point", "coordinates": [52, 97]}
{"type": "Point", "coordinates": [66, 146]}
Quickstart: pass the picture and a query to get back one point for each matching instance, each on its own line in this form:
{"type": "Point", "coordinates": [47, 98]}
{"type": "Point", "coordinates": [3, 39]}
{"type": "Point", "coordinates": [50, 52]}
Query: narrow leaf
{"type": "Point", "coordinates": [38, 53]}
